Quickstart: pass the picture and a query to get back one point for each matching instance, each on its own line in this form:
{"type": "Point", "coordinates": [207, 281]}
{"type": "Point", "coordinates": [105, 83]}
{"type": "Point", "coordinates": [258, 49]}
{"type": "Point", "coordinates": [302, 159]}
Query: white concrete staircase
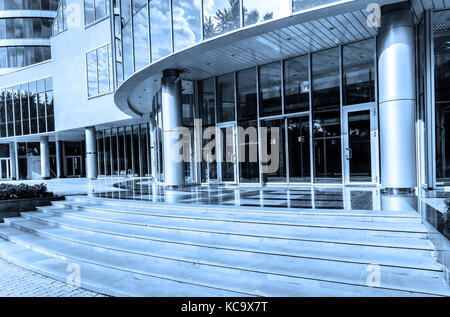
{"type": "Point", "coordinates": [132, 248]}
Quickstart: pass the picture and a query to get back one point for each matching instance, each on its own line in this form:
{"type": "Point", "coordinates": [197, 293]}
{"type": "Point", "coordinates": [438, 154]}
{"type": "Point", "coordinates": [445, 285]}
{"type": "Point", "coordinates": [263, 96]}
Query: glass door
{"type": "Point", "coordinates": [360, 144]}
{"type": "Point", "coordinates": [227, 158]}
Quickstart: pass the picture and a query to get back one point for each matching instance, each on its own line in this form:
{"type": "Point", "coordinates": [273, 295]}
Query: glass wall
{"type": "Point", "coordinates": [124, 151]}
{"type": "Point", "coordinates": [225, 98]}
{"type": "Point", "coordinates": [28, 5]}
{"type": "Point", "coordinates": [60, 21]}
{"type": "Point", "coordinates": [95, 10]}
{"type": "Point", "coordinates": [187, 26]}
{"type": "Point", "coordinates": [161, 42]}
{"type": "Point", "coordinates": [221, 16]}
{"type": "Point", "coordinates": [21, 56]}
{"type": "Point", "coordinates": [254, 12]}
{"type": "Point", "coordinates": [300, 5]}
{"type": "Point", "coordinates": [140, 34]}
{"type": "Point", "coordinates": [441, 34]}
{"type": "Point", "coordinates": [296, 84]}
{"type": "Point", "coordinates": [359, 72]}
{"type": "Point", "coordinates": [25, 28]}
{"type": "Point", "coordinates": [99, 71]}
{"type": "Point", "coordinates": [270, 89]}
{"type": "Point", "coordinates": [27, 108]}
{"type": "Point", "coordinates": [326, 116]}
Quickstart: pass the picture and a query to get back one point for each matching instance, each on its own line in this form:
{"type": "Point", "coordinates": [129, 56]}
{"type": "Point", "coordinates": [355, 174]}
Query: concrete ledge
{"type": "Point", "coordinates": [13, 208]}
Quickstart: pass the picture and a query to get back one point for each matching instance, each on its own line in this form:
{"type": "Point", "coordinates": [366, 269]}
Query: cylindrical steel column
{"type": "Point", "coordinates": [59, 163]}
{"type": "Point", "coordinates": [12, 160]}
{"type": "Point", "coordinates": [397, 97]}
{"type": "Point", "coordinates": [172, 119]}
{"type": "Point", "coordinates": [45, 158]}
{"type": "Point", "coordinates": [91, 153]}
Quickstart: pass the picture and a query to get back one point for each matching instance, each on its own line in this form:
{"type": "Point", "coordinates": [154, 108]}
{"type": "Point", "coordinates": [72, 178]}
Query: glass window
{"type": "Point", "coordinates": [247, 97]}
{"type": "Point", "coordinates": [160, 29]}
{"type": "Point", "coordinates": [296, 84]}
{"type": "Point", "coordinates": [270, 89]}
{"type": "Point", "coordinates": [186, 23]}
{"type": "Point", "coordinates": [358, 72]}
{"type": "Point", "coordinates": [299, 154]}
{"type": "Point", "coordinates": [326, 116]}
{"type": "Point", "coordinates": [248, 151]}
{"type": "Point", "coordinates": [127, 39]}
{"type": "Point", "coordinates": [92, 73]}
{"type": "Point", "coordinates": [258, 11]}
{"type": "Point", "coordinates": [95, 10]}
{"type": "Point", "coordinates": [441, 30]}
{"type": "Point", "coordinates": [99, 76]}
{"type": "Point", "coordinates": [207, 99]}
{"type": "Point", "coordinates": [221, 16]}
{"type": "Point", "coordinates": [300, 5]}
{"type": "Point", "coordinates": [140, 24]}
{"type": "Point", "coordinates": [273, 136]}
{"type": "Point", "coordinates": [225, 98]}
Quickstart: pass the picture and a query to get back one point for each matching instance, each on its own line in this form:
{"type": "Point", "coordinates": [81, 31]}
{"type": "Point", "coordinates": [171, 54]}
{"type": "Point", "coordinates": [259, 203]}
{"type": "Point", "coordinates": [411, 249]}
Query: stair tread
{"type": "Point", "coordinates": [310, 250]}
{"type": "Point", "coordinates": [210, 219]}
{"type": "Point", "coordinates": [243, 209]}
{"type": "Point", "coordinates": [237, 280]}
{"type": "Point", "coordinates": [101, 279]}
{"type": "Point", "coordinates": [266, 217]}
{"type": "Point", "coordinates": [317, 234]}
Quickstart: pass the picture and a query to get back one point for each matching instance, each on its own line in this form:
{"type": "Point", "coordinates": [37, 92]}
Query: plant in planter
{"type": "Point", "coordinates": [23, 191]}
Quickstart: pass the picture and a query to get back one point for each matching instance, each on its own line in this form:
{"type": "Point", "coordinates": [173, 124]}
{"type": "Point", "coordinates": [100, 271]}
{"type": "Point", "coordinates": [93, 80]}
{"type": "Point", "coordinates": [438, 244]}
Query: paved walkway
{"type": "Point", "coordinates": [18, 282]}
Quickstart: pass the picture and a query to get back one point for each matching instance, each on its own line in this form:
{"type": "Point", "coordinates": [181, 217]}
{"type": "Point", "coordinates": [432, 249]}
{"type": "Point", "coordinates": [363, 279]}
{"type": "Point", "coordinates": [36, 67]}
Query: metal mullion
{"type": "Point", "coordinates": [235, 136]}
{"type": "Point", "coordinates": [171, 27]}
{"type": "Point", "coordinates": [125, 150]}
{"type": "Point", "coordinates": [149, 33]}
{"type": "Point", "coordinates": [202, 23]}
{"type": "Point", "coordinates": [118, 151]}
{"type": "Point", "coordinates": [147, 139]}
{"type": "Point", "coordinates": [141, 167]}
{"type": "Point", "coordinates": [132, 35]}
{"type": "Point", "coordinates": [258, 123]}
{"type": "Point", "coordinates": [133, 168]}
{"type": "Point", "coordinates": [111, 156]}
{"type": "Point", "coordinates": [98, 147]}
{"type": "Point", "coordinates": [311, 134]}
{"type": "Point", "coordinates": [104, 153]}
{"type": "Point", "coordinates": [341, 102]}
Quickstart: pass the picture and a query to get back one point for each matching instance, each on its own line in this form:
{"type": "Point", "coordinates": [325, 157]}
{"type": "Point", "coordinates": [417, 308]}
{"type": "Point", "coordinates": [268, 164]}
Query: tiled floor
{"type": "Point", "coordinates": [349, 198]}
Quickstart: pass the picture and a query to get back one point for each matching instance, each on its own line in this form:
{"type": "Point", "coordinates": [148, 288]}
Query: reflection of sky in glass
{"type": "Point", "coordinates": [257, 11]}
{"type": "Point", "coordinates": [299, 5]}
{"type": "Point", "coordinates": [103, 78]}
{"type": "Point", "coordinates": [92, 73]}
{"type": "Point", "coordinates": [160, 28]}
{"type": "Point", "coordinates": [221, 16]}
{"type": "Point", "coordinates": [141, 49]}
{"type": "Point", "coordinates": [186, 22]}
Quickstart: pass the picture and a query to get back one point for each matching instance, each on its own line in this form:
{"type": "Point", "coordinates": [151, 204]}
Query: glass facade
{"type": "Point", "coordinates": [441, 38]}
{"type": "Point", "coordinates": [21, 56]}
{"type": "Point", "coordinates": [28, 5]}
{"type": "Point", "coordinates": [60, 21]}
{"type": "Point", "coordinates": [25, 28]}
{"type": "Point", "coordinates": [27, 108]}
{"type": "Point", "coordinates": [99, 71]}
{"type": "Point", "coordinates": [95, 10]}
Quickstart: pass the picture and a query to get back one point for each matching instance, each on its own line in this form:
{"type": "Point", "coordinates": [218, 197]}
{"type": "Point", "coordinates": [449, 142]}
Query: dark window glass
{"type": "Point", "coordinates": [299, 154]}
{"type": "Point", "coordinates": [247, 96]}
{"type": "Point", "coordinates": [326, 116]}
{"type": "Point", "coordinates": [296, 84]}
{"type": "Point", "coordinates": [207, 99]}
{"type": "Point", "coordinates": [358, 72]}
{"type": "Point", "coordinates": [441, 30]}
{"type": "Point", "coordinates": [273, 150]}
{"type": "Point", "coordinates": [270, 85]}
{"type": "Point", "coordinates": [248, 151]}
{"type": "Point", "coordinates": [225, 98]}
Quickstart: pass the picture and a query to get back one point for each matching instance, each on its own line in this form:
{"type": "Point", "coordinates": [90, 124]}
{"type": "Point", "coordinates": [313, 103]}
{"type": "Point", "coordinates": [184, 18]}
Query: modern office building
{"type": "Point", "coordinates": [326, 92]}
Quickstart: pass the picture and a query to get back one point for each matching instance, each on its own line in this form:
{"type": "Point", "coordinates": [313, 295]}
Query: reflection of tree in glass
{"type": "Point", "coordinates": [228, 19]}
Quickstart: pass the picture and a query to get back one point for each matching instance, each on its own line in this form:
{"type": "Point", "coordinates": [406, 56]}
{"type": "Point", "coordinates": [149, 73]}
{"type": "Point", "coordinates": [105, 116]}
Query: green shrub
{"type": "Point", "coordinates": [22, 191]}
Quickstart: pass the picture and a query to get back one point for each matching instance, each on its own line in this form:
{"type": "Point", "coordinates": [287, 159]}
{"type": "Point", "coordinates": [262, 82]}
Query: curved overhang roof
{"type": "Point", "coordinates": [247, 47]}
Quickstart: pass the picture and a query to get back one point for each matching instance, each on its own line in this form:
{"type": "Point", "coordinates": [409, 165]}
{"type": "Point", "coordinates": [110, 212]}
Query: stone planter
{"type": "Point", "coordinates": [13, 207]}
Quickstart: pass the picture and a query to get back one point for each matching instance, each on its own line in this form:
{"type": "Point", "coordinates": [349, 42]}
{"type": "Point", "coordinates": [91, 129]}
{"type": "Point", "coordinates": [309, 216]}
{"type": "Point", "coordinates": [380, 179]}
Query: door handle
{"type": "Point", "coordinates": [349, 153]}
